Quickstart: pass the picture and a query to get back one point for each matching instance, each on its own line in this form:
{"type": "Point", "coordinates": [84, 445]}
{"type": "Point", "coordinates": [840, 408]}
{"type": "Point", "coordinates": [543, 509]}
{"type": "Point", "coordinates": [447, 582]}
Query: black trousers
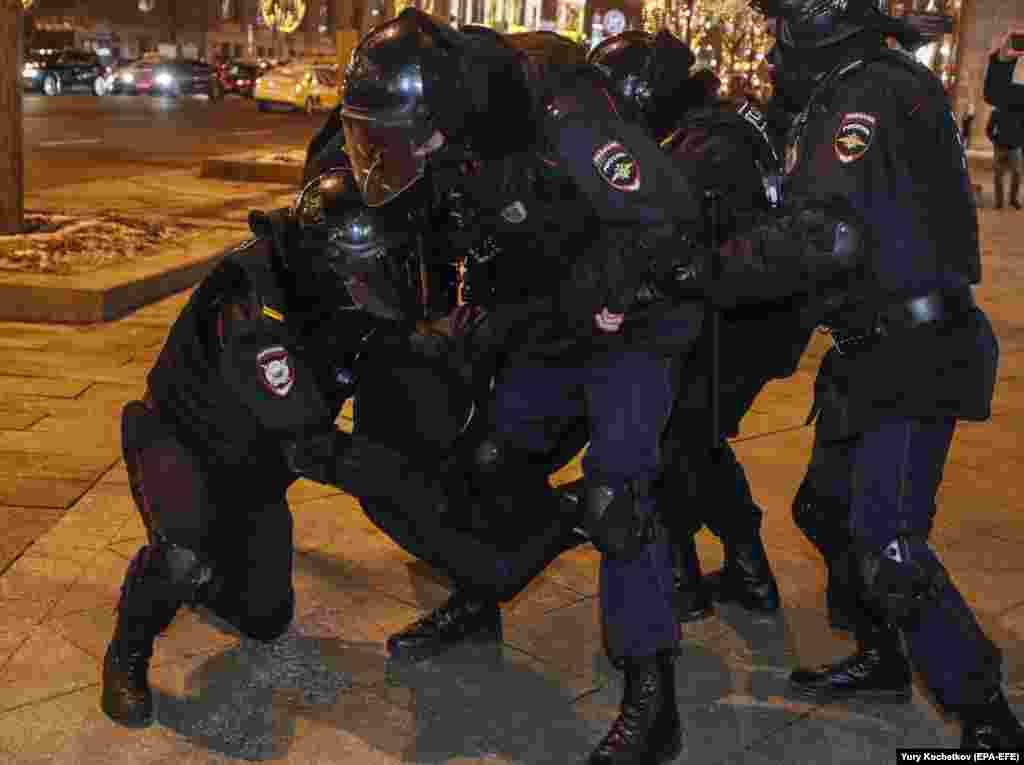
{"type": "Point", "coordinates": [425, 409]}
{"type": "Point", "coordinates": [239, 526]}
{"type": "Point", "coordinates": [1007, 159]}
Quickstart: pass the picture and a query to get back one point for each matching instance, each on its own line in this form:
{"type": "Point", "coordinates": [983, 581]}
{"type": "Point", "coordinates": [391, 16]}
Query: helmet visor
{"type": "Point", "coordinates": [386, 159]}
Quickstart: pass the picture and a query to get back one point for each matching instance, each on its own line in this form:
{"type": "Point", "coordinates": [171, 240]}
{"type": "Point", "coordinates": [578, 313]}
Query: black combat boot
{"type": "Point", "coordinates": [991, 725]}
{"type": "Point", "coordinates": [461, 618]}
{"type": "Point", "coordinates": [147, 607]}
{"type": "Point", "coordinates": [879, 671]}
{"type": "Point", "coordinates": [745, 578]}
{"type": "Point", "coordinates": [647, 730]}
{"type": "Point", "coordinates": [691, 596]}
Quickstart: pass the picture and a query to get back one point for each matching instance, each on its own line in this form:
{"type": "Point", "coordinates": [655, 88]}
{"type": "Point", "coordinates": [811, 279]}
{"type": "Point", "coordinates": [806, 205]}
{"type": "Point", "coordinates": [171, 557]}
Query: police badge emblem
{"type": "Point", "coordinates": [617, 167]}
{"type": "Point", "coordinates": [276, 371]}
{"type": "Point", "coordinates": [853, 136]}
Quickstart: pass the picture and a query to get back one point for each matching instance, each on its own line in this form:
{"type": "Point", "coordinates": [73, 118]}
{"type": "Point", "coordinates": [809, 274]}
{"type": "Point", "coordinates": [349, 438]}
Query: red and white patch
{"type": "Point", "coordinates": [853, 136]}
{"type": "Point", "coordinates": [617, 167]}
{"type": "Point", "coordinates": [276, 371]}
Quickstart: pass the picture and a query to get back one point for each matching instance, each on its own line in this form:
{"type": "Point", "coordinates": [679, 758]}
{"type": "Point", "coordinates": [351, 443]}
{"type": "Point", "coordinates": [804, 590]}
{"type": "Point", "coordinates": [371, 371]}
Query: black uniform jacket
{"type": "Point", "coordinates": [880, 137]}
{"type": "Point", "coordinates": [610, 196]}
{"type": "Point", "coordinates": [243, 367]}
{"type": "Point", "coordinates": [726, 147]}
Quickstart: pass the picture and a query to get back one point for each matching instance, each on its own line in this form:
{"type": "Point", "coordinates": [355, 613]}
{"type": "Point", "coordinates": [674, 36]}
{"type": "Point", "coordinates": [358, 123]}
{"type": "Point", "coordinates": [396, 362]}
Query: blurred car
{"type": "Point", "coordinates": [310, 87]}
{"type": "Point", "coordinates": [53, 73]}
{"type": "Point", "coordinates": [118, 72]}
{"type": "Point", "coordinates": [239, 78]}
{"type": "Point", "coordinates": [170, 77]}
{"type": "Point", "coordinates": [187, 77]}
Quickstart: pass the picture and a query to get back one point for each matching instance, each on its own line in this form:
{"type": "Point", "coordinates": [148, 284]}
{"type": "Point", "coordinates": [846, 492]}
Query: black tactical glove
{"type": "Point", "coordinates": [622, 271]}
{"type": "Point", "coordinates": [789, 254]}
{"type": "Point", "coordinates": [834, 231]}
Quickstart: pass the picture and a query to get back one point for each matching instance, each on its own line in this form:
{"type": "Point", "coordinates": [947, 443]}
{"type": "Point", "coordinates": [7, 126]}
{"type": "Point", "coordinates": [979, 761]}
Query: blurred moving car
{"type": "Point", "coordinates": [187, 77]}
{"type": "Point", "coordinates": [117, 73]}
{"type": "Point", "coordinates": [54, 72]}
{"type": "Point", "coordinates": [310, 87]}
{"type": "Point", "coordinates": [240, 77]}
{"type": "Point", "coordinates": [170, 77]}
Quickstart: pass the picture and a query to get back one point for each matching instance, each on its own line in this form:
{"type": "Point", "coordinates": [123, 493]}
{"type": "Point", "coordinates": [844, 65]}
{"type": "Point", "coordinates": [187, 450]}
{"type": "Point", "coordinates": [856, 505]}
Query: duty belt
{"type": "Point", "coordinates": [934, 308]}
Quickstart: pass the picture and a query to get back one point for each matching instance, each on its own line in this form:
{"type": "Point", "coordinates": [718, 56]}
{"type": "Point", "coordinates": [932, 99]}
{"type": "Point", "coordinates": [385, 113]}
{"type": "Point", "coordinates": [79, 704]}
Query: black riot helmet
{"type": "Point", "coordinates": [412, 77]}
{"type": "Point", "coordinates": [649, 76]}
{"type": "Point", "coordinates": [822, 23]}
{"type": "Point", "coordinates": [347, 247]}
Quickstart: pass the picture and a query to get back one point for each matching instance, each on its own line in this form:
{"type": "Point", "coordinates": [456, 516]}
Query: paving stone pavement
{"type": "Point", "coordinates": [324, 693]}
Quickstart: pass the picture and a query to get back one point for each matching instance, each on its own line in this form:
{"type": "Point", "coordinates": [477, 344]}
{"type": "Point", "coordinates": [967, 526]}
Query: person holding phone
{"type": "Point", "coordinates": [1006, 125]}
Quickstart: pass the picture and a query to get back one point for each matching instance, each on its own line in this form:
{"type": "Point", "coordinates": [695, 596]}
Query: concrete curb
{"type": "Point", "coordinates": [112, 292]}
{"type": "Point", "coordinates": [247, 168]}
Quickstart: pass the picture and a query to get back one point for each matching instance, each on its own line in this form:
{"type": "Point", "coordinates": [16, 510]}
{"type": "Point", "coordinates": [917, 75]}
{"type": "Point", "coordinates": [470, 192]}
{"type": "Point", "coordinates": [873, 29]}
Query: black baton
{"type": "Point", "coordinates": [713, 317]}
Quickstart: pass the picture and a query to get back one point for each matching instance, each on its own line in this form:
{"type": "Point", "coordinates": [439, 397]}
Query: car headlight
{"type": "Point", "coordinates": [164, 79]}
{"type": "Point", "coordinates": [127, 77]}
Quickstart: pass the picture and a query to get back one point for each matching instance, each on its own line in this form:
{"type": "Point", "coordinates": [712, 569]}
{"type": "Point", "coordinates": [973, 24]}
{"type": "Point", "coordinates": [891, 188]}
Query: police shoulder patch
{"type": "Point", "coordinates": [617, 167]}
{"type": "Point", "coordinates": [277, 373]}
{"type": "Point", "coordinates": [853, 136]}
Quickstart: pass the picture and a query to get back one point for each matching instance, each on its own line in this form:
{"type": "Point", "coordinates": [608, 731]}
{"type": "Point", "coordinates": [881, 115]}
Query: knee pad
{"type": "Point", "coordinates": [183, 569]}
{"type": "Point", "coordinates": [824, 521]}
{"type": "Point", "coordinates": [614, 521]}
{"type": "Point", "coordinates": [489, 456]}
{"type": "Point", "coordinates": [160, 578]}
{"type": "Point", "coordinates": [902, 579]}
{"type": "Point", "coordinates": [501, 470]}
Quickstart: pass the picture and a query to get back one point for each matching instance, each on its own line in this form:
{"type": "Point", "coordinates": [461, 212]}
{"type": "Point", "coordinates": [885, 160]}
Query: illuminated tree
{"type": "Point", "coordinates": [283, 15]}
{"type": "Point", "coordinates": [726, 35]}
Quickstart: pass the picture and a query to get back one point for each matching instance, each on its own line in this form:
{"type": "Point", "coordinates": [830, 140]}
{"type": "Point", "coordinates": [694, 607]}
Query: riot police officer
{"type": "Point", "coordinates": [242, 401]}
{"type": "Point", "coordinates": [609, 193]}
{"type": "Point", "coordinates": [913, 353]}
{"type": "Point", "coordinates": [724, 148]}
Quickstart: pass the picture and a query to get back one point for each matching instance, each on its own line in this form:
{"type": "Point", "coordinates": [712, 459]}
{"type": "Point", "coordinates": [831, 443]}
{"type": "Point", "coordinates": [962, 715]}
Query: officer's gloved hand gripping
{"type": "Point", "coordinates": [333, 248]}
{"type": "Point", "coordinates": [809, 244]}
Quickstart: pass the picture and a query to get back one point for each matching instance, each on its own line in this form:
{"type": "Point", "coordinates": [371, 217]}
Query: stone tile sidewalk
{"type": "Point", "coordinates": [323, 694]}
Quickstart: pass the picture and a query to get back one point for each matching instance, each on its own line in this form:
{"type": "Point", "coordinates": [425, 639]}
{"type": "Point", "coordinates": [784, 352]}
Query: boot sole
{"type": "Point", "coordinates": [480, 639]}
{"type": "Point", "coordinates": [126, 722]}
{"type": "Point", "coordinates": [670, 751]}
{"type": "Point", "coordinates": [750, 605]}
{"type": "Point", "coordinates": [901, 696]}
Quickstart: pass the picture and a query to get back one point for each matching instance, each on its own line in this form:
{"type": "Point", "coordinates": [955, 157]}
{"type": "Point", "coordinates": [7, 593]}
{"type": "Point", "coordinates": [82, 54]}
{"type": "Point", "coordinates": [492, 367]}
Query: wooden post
{"type": "Point", "coordinates": [12, 158]}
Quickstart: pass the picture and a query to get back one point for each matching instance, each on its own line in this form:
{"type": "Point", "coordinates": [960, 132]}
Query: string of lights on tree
{"type": "Point", "coordinates": [727, 36]}
{"type": "Point", "coordinates": [283, 15]}
{"type": "Point", "coordinates": [732, 39]}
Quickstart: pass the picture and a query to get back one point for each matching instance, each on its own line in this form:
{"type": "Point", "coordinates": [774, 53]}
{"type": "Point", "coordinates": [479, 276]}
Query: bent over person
{"type": "Point", "coordinates": [242, 401]}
